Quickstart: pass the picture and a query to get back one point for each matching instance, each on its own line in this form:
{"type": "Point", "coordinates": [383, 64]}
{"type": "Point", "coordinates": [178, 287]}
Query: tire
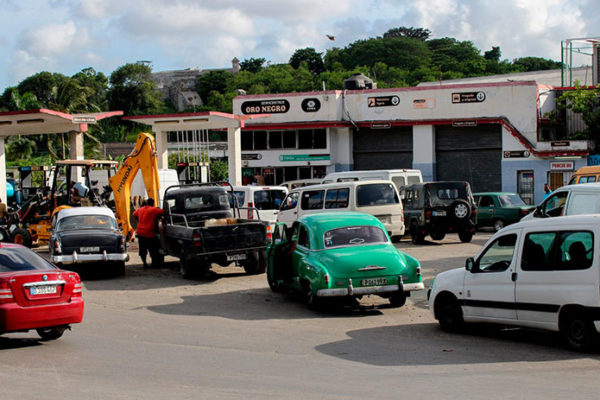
{"type": "Point", "coordinates": [461, 210]}
{"type": "Point", "coordinates": [498, 224]}
{"type": "Point", "coordinates": [396, 238]}
{"type": "Point", "coordinates": [4, 236]}
{"type": "Point", "coordinates": [158, 260]}
{"type": "Point", "coordinates": [312, 300]}
{"type": "Point", "coordinates": [465, 237]}
{"type": "Point", "coordinates": [275, 286]}
{"type": "Point", "coordinates": [448, 314]}
{"type": "Point", "coordinates": [415, 236]}
{"type": "Point", "coordinates": [51, 333]}
{"type": "Point", "coordinates": [185, 269]}
{"type": "Point", "coordinates": [438, 235]}
{"type": "Point", "coordinates": [398, 299]}
{"type": "Point", "coordinates": [578, 331]}
{"type": "Point", "coordinates": [119, 268]}
{"type": "Point", "coordinates": [22, 236]}
{"type": "Point", "coordinates": [256, 263]}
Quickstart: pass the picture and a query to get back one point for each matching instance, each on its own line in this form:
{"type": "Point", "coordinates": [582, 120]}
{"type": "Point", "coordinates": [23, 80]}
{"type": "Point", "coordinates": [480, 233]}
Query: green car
{"type": "Point", "coordinates": [343, 255]}
{"type": "Point", "coordinates": [498, 209]}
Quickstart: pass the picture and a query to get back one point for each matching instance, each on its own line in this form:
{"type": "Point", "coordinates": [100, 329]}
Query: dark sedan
{"type": "Point", "coordinates": [87, 235]}
{"type": "Point", "coordinates": [498, 209]}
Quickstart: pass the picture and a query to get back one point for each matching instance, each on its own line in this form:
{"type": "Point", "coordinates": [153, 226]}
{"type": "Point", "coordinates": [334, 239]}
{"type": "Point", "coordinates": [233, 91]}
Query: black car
{"type": "Point", "coordinates": [82, 235]}
{"type": "Point", "coordinates": [437, 208]}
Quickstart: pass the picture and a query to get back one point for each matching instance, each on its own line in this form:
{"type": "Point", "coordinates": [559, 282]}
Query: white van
{"type": "Point", "coordinates": [542, 274]}
{"type": "Point", "coordinates": [400, 177]}
{"type": "Point", "coordinates": [583, 198]}
{"type": "Point", "coordinates": [300, 183]}
{"type": "Point", "coordinates": [265, 199]}
{"type": "Point", "coordinates": [378, 197]}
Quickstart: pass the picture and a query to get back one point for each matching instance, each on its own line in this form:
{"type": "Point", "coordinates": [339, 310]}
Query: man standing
{"type": "Point", "coordinates": [147, 217]}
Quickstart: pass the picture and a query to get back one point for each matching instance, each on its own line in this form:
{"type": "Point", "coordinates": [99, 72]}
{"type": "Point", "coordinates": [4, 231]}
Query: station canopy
{"type": "Point", "coordinates": [193, 121]}
{"type": "Point", "coordinates": [44, 121]}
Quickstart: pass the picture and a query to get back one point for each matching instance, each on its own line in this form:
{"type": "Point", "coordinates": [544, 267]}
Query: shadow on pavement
{"type": "Point", "coordinates": [9, 343]}
{"type": "Point", "coordinates": [426, 344]}
{"type": "Point", "coordinates": [261, 304]}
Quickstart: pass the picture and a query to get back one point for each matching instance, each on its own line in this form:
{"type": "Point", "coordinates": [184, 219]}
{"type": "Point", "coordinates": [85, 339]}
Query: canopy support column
{"type": "Point", "coordinates": [76, 145]}
{"type": "Point", "coordinates": [162, 149]}
{"type": "Point", "coordinates": [234, 149]}
{"type": "Point", "coordinates": [3, 171]}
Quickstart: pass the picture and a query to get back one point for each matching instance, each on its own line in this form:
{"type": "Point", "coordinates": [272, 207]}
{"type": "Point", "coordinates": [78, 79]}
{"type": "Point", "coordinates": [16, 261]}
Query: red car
{"type": "Point", "coordinates": [34, 294]}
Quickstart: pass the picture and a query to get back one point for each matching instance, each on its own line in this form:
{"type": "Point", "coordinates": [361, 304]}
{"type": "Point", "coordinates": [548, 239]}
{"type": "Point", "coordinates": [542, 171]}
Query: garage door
{"type": "Point", "coordinates": [471, 154]}
{"type": "Point", "coordinates": [383, 148]}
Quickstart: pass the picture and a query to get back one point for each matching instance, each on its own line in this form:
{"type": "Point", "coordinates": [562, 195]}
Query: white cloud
{"type": "Point", "coordinates": [54, 39]}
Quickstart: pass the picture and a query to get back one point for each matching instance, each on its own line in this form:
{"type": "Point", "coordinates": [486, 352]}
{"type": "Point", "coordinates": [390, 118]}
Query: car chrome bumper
{"type": "Point", "coordinates": [76, 258]}
{"type": "Point", "coordinates": [359, 291]}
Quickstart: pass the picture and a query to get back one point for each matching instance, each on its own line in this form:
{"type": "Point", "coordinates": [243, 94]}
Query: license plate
{"type": "Point", "coordinates": [89, 249]}
{"type": "Point", "coordinates": [236, 257]}
{"type": "Point", "coordinates": [373, 282]}
{"type": "Point", "coordinates": [439, 213]}
{"type": "Point", "coordinates": [49, 289]}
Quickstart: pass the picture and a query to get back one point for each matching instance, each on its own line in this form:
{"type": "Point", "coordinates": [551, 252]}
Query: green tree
{"type": "Point", "coordinates": [219, 81]}
{"type": "Point", "coordinates": [310, 56]}
{"type": "Point", "coordinates": [493, 54]}
{"type": "Point", "coordinates": [42, 85]}
{"type": "Point", "coordinates": [525, 64]}
{"type": "Point", "coordinates": [20, 148]}
{"type": "Point", "coordinates": [133, 91]}
{"type": "Point", "coordinates": [252, 64]}
{"type": "Point", "coordinates": [585, 102]}
{"type": "Point", "coordinates": [97, 82]}
{"type": "Point", "coordinates": [219, 171]}
{"type": "Point", "coordinates": [415, 33]}
{"type": "Point", "coordinates": [13, 101]}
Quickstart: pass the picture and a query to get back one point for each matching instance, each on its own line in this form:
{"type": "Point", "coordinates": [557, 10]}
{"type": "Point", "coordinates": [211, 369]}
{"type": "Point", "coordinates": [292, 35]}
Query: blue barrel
{"type": "Point", "coordinates": [10, 190]}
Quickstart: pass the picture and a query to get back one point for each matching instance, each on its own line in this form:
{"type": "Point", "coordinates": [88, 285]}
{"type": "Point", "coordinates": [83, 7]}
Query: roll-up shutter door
{"type": "Point", "coordinates": [383, 148]}
{"type": "Point", "coordinates": [472, 154]}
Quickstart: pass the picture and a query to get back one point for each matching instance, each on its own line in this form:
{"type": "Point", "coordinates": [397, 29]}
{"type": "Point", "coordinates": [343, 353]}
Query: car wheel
{"type": "Point", "coordinates": [416, 236]}
{"type": "Point", "coordinates": [465, 237]}
{"type": "Point", "coordinates": [498, 224]}
{"type": "Point", "coordinates": [396, 238]}
{"type": "Point", "coordinates": [461, 209]}
{"type": "Point", "coordinates": [119, 268]}
{"type": "Point", "coordinates": [398, 299]}
{"type": "Point", "coordinates": [51, 333]}
{"type": "Point", "coordinates": [4, 236]}
{"type": "Point", "coordinates": [438, 235]}
{"type": "Point", "coordinates": [184, 266]}
{"type": "Point", "coordinates": [578, 332]}
{"type": "Point", "coordinates": [273, 284]}
{"type": "Point", "coordinates": [22, 236]}
{"type": "Point", "coordinates": [448, 314]}
{"type": "Point", "coordinates": [312, 300]}
{"type": "Point", "coordinates": [256, 263]}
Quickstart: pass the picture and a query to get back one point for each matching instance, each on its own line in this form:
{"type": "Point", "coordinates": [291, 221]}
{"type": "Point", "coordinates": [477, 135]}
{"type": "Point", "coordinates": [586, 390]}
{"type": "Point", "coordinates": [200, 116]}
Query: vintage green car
{"type": "Point", "coordinates": [340, 254]}
{"type": "Point", "coordinates": [498, 209]}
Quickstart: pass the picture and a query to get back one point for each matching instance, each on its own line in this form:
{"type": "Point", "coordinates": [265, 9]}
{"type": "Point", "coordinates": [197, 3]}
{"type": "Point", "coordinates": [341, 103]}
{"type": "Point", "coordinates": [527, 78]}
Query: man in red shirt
{"type": "Point", "coordinates": [147, 217]}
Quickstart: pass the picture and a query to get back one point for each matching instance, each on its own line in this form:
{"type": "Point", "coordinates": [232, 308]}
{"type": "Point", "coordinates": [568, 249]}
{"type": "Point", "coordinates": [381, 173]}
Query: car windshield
{"type": "Point", "coordinates": [448, 192]}
{"type": "Point", "coordinates": [21, 259]}
{"type": "Point", "coordinates": [207, 202]}
{"type": "Point", "coordinates": [77, 222]}
{"type": "Point", "coordinates": [354, 236]}
{"type": "Point", "coordinates": [507, 200]}
{"type": "Point", "coordinates": [269, 199]}
{"type": "Point", "coordinates": [376, 194]}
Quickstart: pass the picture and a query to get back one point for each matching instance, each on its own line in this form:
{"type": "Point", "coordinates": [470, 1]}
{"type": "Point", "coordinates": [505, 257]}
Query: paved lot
{"type": "Point", "coordinates": [153, 335]}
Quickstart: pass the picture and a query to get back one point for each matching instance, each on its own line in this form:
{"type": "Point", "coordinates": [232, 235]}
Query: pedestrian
{"type": "Point", "coordinates": [547, 191]}
{"type": "Point", "coordinates": [147, 217]}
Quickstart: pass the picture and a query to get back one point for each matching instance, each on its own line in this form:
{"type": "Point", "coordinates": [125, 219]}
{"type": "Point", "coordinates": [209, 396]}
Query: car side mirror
{"type": "Point", "coordinates": [470, 264]}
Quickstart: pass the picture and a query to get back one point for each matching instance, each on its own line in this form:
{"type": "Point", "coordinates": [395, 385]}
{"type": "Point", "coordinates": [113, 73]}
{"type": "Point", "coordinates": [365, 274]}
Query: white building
{"type": "Point", "coordinates": [489, 133]}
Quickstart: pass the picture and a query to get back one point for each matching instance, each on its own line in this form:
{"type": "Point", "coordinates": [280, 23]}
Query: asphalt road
{"type": "Point", "coordinates": [153, 335]}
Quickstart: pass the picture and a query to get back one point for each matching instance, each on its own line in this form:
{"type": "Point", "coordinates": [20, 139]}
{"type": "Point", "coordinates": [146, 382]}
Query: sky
{"type": "Point", "coordinates": [67, 36]}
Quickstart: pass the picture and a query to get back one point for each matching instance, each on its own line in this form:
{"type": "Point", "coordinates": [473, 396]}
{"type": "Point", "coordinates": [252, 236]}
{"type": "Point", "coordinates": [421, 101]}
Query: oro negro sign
{"type": "Point", "coordinates": [265, 107]}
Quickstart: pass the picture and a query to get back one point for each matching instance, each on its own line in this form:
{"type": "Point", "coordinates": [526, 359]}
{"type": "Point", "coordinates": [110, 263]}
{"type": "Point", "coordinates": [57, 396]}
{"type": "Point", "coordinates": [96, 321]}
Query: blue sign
{"type": "Point", "coordinates": [593, 160]}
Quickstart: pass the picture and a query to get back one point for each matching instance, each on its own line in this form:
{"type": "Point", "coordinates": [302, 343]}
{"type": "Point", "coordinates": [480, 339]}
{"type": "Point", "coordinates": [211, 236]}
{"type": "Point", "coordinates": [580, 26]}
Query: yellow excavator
{"type": "Point", "coordinates": [144, 158]}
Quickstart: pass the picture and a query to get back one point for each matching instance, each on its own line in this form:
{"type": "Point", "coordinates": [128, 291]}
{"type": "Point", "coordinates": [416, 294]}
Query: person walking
{"type": "Point", "coordinates": [147, 217]}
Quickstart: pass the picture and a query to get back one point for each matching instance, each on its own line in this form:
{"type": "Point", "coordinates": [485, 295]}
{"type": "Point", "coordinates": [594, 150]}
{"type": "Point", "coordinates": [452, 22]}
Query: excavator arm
{"type": "Point", "coordinates": [144, 158]}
